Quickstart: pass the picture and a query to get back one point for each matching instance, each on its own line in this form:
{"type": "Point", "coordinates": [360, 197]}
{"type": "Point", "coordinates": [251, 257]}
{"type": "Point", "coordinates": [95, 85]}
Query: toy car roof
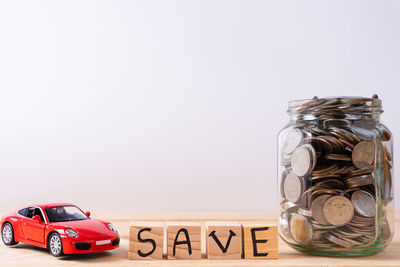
{"type": "Point", "coordinates": [49, 205]}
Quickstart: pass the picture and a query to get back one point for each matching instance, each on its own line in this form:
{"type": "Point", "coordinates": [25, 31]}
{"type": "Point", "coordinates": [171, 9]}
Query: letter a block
{"type": "Point", "coordinates": [260, 241]}
{"type": "Point", "coordinates": [224, 240]}
{"type": "Point", "coordinates": [146, 240]}
{"type": "Point", "coordinates": [184, 240]}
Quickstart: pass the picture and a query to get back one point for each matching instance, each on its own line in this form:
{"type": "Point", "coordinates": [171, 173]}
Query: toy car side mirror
{"type": "Point", "coordinates": [88, 214]}
{"type": "Point", "coordinates": [37, 219]}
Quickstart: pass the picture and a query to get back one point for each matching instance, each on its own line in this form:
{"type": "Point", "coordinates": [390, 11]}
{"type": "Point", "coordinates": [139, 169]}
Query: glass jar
{"type": "Point", "coordinates": [335, 170]}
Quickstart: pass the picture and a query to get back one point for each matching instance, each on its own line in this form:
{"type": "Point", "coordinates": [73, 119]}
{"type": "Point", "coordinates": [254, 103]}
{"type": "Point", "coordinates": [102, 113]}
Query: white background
{"type": "Point", "coordinates": [175, 105]}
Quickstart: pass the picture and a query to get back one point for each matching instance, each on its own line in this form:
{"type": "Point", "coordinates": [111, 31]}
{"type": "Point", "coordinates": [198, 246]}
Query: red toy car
{"type": "Point", "coordinates": [62, 228]}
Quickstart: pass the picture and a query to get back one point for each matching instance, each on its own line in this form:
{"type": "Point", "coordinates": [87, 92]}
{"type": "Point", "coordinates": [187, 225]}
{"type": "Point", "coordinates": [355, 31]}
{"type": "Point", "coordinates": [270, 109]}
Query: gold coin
{"type": "Point", "coordinates": [301, 229]}
{"type": "Point", "coordinates": [338, 210]}
{"type": "Point", "coordinates": [364, 154]}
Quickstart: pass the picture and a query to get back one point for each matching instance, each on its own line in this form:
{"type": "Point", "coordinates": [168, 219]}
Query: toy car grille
{"type": "Point", "coordinates": [115, 241]}
{"type": "Point", "coordinates": [82, 245]}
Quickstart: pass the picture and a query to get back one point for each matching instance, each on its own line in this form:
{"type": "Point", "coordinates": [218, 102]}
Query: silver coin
{"type": "Point", "coordinates": [304, 212]}
{"type": "Point", "coordinates": [338, 210]}
{"type": "Point", "coordinates": [283, 177]}
{"type": "Point", "coordinates": [293, 187]}
{"type": "Point", "coordinates": [364, 129]}
{"type": "Point", "coordinates": [316, 209]}
{"type": "Point", "coordinates": [292, 141]}
{"type": "Point", "coordinates": [302, 160]}
{"type": "Point", "coordinates": [336, 122]}
{"type": "Point", "coordinates": [364, 203]}
{"type": "Point", "coordinates": [313, 155]}
{"type": "Point", "coordinates": [289, 206]}
{"type": "Point", "coordinates": [339, 241]}
{"type": "Point", "coordinates": [362, 133]}
{"type": "Point", "coordinates": [318, 235]}
{"type": "Point", "coordinates": [301, 229]}
{"type": "Point", "coordinates": [284, 225]}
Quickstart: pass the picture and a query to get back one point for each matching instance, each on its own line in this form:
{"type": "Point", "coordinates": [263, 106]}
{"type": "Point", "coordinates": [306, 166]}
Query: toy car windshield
{"type": "Point", "coordinates": [65, 213]}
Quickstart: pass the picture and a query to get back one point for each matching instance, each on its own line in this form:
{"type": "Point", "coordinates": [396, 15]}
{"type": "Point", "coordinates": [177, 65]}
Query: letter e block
{"type": "Point", "coordinates": [184, 240]}
{"type": "Point", "coordinates": [146, 240]}
{"type": "Point", "coordinates": [224, 240]}
{"type": "Point", "coordinates": [260, 241]}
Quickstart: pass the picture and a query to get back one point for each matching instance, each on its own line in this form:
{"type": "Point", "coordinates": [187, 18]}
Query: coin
{"type": "Point", "coordinates": [360, 180]}
{"type": "Point", "coordinates": [359, 172]}
{"type": "Point", "coordinates": [283, 177]}
{"type": "Point", "coordinates": [364, 130]}
{"type": "Point", "coordinates": [318, 235]}
{"type": "Point", "coordinates": [313, 155]}
{"type": "Point", "coordinates": [293, 187]}
{"type": "Point", "coordinates": [339, 241]}
{"type": "Point", "coordinates": [338, 210]}
{"type": "Point", "coordinates": [331, 183]}
{"type": "Point", "coordinates": [316, 209]}
{"type": "Point", "coordinates": [289, 206]}
{"type": "Point", "coordinates": [336, 122]}
{"type": "Point", "coordinates": [364, 154]}
{"type": "Point", "coordinates": [325, 170]}
{"type": "Point", "coordinates": [386, 135]}
{"type": "Point", "coordinates": [338, 157]}
{"type": "Point", "coordinates": [363, 133]}
{"type": "Point", "coordinates": [284, 224]}
{"type": "Point", "coordinates": [304, 212]}
{"type": "Point", "coordinates": [301, 229]}
{"type": "Point", "coordinates": [364, 203]}
{"type": "Point", "coordinates": [302, 160]}
{"type": "Point", "coordinates": [292, 140]}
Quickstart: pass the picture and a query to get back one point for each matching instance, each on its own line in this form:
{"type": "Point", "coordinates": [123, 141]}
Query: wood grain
{"type": "Point", "coordinates": [229, 236]}
{"type": "Point", "coordinates": [29, 256]}
{"type": "Point", "coordinates": [146, 250]}
{"type": "Point", "coordinates": [262, 243]}
{"type": "Point", "coordinates": [183, 240]}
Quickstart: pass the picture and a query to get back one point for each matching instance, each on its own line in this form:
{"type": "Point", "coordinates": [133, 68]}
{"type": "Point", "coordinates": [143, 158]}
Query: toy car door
{"type": "Point", "coordinates": [33, 229]}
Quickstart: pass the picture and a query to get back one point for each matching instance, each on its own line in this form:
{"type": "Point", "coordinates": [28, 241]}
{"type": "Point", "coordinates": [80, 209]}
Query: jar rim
{"type": "Point", "coordinates": [337, 105]}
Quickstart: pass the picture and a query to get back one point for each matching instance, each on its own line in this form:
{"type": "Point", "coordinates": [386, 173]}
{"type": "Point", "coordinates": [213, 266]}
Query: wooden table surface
{"type": "Point", "coordinates": [26, 255]}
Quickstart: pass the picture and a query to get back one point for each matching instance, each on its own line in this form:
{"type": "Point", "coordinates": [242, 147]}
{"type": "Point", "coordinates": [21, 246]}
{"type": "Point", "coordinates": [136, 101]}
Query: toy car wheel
{"type": "Point", "coordinates": [7, 234]}
{"type": "Point", "coordinates": [55, 245]}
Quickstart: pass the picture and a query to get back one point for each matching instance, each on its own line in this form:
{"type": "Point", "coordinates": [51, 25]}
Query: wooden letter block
{"type": "Point", "coordinates": [260, 241]}
{"type": "Point", "coordinates": [184, 240]}
{"type": "Point", "coordinates": [146, 240]}
{"type": "Point", "coordinates": [224, 240]}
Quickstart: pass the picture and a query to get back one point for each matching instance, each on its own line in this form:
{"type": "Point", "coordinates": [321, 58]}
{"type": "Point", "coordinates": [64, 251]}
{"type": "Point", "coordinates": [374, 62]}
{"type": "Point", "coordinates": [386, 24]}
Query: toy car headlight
{"type": "Point", "coordinates": [71, 233]}
{"type": "Point", "coordinates": [112, 228]}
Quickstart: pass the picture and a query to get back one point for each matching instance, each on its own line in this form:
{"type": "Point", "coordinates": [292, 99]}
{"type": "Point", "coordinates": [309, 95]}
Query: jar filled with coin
{"type": "Point", "coordinates": [335, 177]}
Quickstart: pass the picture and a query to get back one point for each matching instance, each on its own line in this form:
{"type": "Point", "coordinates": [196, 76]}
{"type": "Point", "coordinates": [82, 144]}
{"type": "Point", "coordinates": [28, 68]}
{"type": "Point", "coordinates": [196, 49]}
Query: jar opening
{"type": "Point", "coordinates": [339, 106]}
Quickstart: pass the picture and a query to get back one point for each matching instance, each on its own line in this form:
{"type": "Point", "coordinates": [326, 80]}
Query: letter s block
{"type": "Point", "coordinates": [260, 241]}
{"type": "Point", "coordinates": [146, 240]}
{"type": "Point", "coordinates": [184, 240]}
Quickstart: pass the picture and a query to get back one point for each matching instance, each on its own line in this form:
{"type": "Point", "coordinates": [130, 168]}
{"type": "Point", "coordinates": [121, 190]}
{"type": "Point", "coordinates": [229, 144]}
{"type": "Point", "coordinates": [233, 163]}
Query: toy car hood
{"type": "Point", "coordinates": [89, 227]}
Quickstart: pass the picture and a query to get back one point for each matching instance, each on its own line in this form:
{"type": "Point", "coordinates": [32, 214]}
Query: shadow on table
{"type": "Point", "coordinates": [31, 247]}
{"type": "Point", "coordinates": [109, 256]}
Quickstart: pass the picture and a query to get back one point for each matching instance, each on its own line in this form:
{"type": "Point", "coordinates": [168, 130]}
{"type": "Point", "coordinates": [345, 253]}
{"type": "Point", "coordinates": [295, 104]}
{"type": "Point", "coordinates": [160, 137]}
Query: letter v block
{"type": "Point", "coordinates": [184, 240]}
{"type": "Point", "coordinates": [260, 241]}
{"type": "Point", "coordinates": [224, 240]}
{"type": "Point", "coordinates": [146, 240]}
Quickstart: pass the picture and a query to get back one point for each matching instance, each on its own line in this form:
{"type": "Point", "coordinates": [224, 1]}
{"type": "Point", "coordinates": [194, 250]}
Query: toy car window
{"type": "Point", "coordinates": [64, 214]}
{"type": "Point", "coordinates": [39, 213]}
{"type": "Point", "coordinates": [22, 212]}
{"type": "Point", "coordinates": [30, 212]}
